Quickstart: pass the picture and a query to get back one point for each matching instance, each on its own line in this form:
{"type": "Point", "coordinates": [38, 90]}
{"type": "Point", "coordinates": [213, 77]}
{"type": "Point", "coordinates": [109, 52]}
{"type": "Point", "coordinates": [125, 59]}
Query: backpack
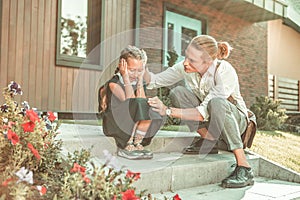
{"type": "Point", "coordinates": [102, 98]}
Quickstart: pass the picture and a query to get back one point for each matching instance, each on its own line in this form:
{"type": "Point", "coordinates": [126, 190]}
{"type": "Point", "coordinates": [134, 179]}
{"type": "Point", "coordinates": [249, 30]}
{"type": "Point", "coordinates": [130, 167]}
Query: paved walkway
{"type": "Point", "coordinates": [263, 189]}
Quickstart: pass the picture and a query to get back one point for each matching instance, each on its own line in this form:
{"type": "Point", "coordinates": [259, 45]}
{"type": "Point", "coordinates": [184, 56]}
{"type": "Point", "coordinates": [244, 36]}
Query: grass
{"type": "Point", "coordinates": [278, 146]}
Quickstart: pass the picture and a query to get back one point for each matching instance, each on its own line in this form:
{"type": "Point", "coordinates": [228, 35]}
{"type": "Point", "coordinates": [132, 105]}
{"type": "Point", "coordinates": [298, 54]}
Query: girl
{"type": "Point", "coordinates": [126, 114]}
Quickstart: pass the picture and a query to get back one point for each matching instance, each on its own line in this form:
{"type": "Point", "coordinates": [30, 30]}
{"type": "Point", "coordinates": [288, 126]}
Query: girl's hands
{"type": "Point", "coordinates": [157, 105]}
{"type": "Point", "coordinates": [140, 77]}
{"type": "Point", "coordinates": [123, 67]}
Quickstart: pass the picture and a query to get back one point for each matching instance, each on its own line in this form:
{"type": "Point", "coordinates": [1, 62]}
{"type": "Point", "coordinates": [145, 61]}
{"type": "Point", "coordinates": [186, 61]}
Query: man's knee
{"type": "Point", "coordinates": [176, 95]}
{"type": "Point", "coordinates": [177, 90]}
{"type": "Point", "coordinates": [217, 103]}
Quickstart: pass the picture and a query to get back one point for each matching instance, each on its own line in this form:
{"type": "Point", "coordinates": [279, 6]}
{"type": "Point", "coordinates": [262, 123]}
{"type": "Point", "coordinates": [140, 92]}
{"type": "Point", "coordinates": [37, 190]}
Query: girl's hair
{"type": "Point", "coordinates": [128, 52]}
{"type": "Point", "coordinates": [102, 98]}
{"type": "Point", "coordinates": [132, 52]}
{"type": "Point", "coordinates": [213, 49]}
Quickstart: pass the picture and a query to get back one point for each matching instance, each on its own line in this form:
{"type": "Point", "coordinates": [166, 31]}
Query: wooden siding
{"type": "Point", "coordinates": [28, 45]}
{"type": "Point", "coordinates": [287, 90]}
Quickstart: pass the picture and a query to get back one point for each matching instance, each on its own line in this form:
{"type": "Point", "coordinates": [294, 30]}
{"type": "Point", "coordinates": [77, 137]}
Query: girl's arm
{"type": "Point", "coordinates": [140, 91]}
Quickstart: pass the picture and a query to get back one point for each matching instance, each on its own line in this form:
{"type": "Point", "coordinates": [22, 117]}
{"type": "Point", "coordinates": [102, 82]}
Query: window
{"type": "Point", "coordinates": [180, 30]}
{"type": "Point", "coordinates": [79, 33]}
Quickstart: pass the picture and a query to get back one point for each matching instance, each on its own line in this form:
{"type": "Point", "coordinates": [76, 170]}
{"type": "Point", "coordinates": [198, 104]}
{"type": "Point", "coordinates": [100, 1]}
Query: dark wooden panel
{"type": "Point", "coordinates": [28, 49]}
{"type": "Point", "coordinates": [12, 40]}
{"type": "Point", "coordinates": [39, 54]}
{"type": "Point", "coordinates": [46, 55]}
{"type": "Point", "coordinates": [4, 43]}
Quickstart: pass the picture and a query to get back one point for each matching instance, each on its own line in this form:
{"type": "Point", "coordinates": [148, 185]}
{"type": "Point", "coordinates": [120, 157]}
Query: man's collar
{"type": "Point", "coordinates": [211, 70]}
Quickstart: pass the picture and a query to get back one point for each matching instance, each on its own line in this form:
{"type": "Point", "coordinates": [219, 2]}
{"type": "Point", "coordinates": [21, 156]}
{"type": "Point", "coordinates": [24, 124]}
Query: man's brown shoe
{"type": "Point", "coordinates": [240, 177]}
{"type": "Point", "coordinates": [201, 146]}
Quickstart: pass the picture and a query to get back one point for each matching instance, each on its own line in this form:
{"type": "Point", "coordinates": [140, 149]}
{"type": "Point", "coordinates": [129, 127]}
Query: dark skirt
{"type": "Point", "coordinates": [119, 120]}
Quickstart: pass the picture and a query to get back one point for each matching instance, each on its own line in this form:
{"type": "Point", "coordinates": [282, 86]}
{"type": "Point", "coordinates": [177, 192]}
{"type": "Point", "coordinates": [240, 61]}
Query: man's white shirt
{"type": "Point", "coordinates": [221, 83]}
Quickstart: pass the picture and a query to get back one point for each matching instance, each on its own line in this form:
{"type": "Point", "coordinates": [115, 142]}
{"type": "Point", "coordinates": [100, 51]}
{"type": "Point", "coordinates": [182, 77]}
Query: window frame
{"type": "Point", "coordinates": [71, 60]}
{"type": "Point", "coordinates": [187, 13]}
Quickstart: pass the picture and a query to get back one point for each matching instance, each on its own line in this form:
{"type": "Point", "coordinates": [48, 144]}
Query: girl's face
{"type": "Point", "coordinates": [135, 68]}
{"type": "Point", "coordinates": [194, 62]}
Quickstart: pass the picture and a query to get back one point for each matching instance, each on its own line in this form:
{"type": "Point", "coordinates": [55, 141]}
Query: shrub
{"type": "Point", "coordinates": [268, 113]}
{"type": "Point", "coordinates": [31, 166]}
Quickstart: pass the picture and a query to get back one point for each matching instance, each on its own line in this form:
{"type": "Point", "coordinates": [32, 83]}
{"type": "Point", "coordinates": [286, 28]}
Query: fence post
{"type": "Point", "coordinates": [275, 87]}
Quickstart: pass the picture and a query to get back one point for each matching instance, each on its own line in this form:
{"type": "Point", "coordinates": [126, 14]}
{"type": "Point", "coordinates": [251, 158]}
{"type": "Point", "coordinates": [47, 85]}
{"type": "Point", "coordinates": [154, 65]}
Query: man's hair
{"type": "Point", "coordinates": [211, 47]}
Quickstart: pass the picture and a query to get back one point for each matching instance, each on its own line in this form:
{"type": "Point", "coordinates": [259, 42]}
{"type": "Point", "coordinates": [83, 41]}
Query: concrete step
{"type": "Point", "coordinates": [86, 136]}
{"type": "Point", "coordinates": [169, 170]}
{"type": "Point", "coordinates": [175, 171]}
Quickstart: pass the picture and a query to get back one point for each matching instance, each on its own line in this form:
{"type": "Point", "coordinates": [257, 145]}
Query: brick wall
{"type": "Point", "coordinates": [249, 41]}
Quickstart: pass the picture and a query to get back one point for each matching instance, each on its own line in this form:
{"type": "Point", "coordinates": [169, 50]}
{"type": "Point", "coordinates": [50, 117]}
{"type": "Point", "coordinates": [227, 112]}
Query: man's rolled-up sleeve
{"type": "Point", "coordinates": [166, 78]}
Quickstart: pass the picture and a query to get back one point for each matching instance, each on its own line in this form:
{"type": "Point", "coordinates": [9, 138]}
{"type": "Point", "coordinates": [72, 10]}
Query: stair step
{"type": "Point", "coordinates": [174, 171]}
{"type": "Point", "coordinates": [169, 170]}
{"type": "Point", "coordinates": [190, 171]}
{"type": "Point", "coordinates": [86, 136]}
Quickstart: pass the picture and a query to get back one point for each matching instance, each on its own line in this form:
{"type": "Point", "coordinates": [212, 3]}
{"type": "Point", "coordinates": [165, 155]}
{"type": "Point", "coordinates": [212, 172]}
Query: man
{"type": "Point", "coordinates": [211, 103]}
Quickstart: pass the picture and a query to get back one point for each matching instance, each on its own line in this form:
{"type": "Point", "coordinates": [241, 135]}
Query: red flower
{"type": "Point", "coordinates": [129, 195]}
{"type": "Point", "coordinates": [13, 137]}
{"type": "Point", "coordinates": [41, 189]}
{"type": "Point", "coordinates": [86, 179]}
{"type": "Point", "coordinates": [81, 170]}
{"type": "Point", "coordinates": [28, 127]}
{"type": "Point", "coordinates": [33, 116]}
{"type": "Point", "coordinates": [78, 168]}
{"type": "Point", "coordinates": [10, 125]}
{"type": "Point", "coordinates": [34, 151]}
{"type": "Point", "coordinates": [5, 183]}
{"type": "Point", "coordinates": [46, 145]}
{"type": "Point", "coordinates": [176, 197]}
{"type": "Point", "coordinates": [135, 176]}
{"type": "Point", "coordinates": [51, 116]}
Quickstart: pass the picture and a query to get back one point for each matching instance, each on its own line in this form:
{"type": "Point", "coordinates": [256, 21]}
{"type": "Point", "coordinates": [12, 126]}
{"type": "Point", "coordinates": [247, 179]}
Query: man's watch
{"type": "Point", "coordinates": [168, 111]}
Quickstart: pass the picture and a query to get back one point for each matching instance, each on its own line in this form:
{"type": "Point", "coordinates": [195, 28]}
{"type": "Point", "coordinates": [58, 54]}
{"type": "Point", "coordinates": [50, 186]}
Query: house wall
{"type": "Point", "coordinates": [283, 50]}
{"type": "Point", "coordinates": [249, 40]}
{"type": "Point", "coordinates": [28, 49]}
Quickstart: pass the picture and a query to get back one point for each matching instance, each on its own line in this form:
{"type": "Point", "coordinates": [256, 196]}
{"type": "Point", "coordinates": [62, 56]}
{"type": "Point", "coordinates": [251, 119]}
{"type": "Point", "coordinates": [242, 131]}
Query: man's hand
{"type": "Point", "coordinates": [146, 75]}
{"type": "Point", "coordinates": [157, 105]}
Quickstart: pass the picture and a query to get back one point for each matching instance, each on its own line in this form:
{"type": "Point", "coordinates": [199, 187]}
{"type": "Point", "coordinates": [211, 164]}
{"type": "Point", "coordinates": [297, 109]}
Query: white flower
{"type": "Point", "coordinates": [25, 175]}
{"type": "Point", "coordinates": [25, 105]}
{"type": "Point", "coordinates": [5, 120]}
{"type": "Point", "coordinates": [111, 160]}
